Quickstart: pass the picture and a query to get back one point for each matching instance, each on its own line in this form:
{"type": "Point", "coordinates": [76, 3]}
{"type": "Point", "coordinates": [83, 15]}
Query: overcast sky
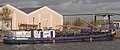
{"type": "Point", "coordinates": [70, 6]}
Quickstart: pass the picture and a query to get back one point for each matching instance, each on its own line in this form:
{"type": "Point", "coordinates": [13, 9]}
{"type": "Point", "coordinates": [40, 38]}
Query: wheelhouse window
{"type": "Point", "coordinates": [27, 26]}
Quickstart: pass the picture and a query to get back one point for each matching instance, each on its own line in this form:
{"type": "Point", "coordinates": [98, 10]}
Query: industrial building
{"type": "Point", "coordinates": [40, 18]}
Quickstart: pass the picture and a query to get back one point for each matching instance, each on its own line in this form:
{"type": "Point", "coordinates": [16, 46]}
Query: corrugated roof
{"type": "Point", "coordinates": [97, 14]}
{"type": "Point", "coordinates": [29, 10]}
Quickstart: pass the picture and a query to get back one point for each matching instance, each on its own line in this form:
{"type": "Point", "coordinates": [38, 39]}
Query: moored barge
{"type": "Point", "coordinates": [51, 36]}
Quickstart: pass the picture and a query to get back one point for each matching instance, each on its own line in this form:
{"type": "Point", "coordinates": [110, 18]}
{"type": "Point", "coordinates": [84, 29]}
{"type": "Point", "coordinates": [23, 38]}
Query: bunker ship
{"type": "Point", "coordinates": [68, 34]}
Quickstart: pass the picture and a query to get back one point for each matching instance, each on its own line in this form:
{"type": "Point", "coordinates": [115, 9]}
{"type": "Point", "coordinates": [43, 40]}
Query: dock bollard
{"type": "Point", "coordinates": [91, 39]}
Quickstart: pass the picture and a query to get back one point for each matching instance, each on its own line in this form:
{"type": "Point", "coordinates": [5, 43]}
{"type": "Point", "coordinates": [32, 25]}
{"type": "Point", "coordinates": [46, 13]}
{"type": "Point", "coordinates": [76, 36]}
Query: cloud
{"type": "Point", "coordinates": [85, 6]}
{"type": "Point", "coordinates": [70, 6]}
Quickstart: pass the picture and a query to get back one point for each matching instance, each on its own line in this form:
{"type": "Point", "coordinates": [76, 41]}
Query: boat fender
{"type": "Point", "coordinates": [53, 41]}
{"type": "Point", "coordinates": [91, 39]}
{"type": "Point", "coordinates": [48, 38]}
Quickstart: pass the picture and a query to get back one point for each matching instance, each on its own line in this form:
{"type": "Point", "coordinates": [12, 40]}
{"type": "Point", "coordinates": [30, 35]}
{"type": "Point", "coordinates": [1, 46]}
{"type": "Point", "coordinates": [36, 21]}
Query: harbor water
{"type": "Point", "coordinates": [96, 45]}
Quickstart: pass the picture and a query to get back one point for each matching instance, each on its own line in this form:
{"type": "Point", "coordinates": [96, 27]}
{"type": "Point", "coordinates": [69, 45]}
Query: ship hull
{"type": "Point", "coordinates": [102, 37]}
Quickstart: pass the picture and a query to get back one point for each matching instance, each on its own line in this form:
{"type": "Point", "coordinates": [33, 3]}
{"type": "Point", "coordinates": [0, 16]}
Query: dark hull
{"type": "Point", "coordinates": [62, 40]}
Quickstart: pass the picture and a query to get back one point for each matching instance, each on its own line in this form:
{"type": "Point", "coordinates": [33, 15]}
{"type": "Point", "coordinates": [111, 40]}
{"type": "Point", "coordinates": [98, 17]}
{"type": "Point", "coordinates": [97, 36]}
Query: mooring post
{"type": "Point", "coordinates": [109, 19]}
{"type": "Point", "coordinates": [95, 19]}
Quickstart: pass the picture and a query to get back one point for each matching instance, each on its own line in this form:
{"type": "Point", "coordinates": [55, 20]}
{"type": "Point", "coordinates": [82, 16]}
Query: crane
{"type": "Point", "coordinates": [90, 24]}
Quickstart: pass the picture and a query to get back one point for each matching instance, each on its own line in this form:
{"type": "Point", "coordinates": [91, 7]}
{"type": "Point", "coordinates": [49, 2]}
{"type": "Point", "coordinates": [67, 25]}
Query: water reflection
{"type": "Point", "coordinates": [99, 45]}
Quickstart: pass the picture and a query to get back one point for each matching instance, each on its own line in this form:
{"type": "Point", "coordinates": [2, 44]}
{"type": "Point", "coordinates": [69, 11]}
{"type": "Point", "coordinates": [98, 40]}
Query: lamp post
{"type": "Point", "coordinates": [32, 32]}
{"type": "Point", "coordinates": [33, 22]}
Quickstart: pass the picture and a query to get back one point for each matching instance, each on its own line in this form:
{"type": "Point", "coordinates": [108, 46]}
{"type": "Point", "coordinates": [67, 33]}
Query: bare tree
{"type": "Point", "coordinates": [6, 13]}
{"type": "Point", "coordinates": [6, 18]}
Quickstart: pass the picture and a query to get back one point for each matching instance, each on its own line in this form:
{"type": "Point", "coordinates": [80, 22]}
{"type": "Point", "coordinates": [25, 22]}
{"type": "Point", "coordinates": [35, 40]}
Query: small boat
{"type": "Point", "coordinates": [51, 36]}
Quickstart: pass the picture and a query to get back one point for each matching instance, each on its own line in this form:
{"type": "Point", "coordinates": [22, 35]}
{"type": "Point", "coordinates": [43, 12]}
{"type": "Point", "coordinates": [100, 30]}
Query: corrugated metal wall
{"type": "Point", "coordinates": [70, 19]}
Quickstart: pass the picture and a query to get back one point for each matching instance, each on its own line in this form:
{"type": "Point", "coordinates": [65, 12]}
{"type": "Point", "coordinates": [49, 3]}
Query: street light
{"type": "Point", "coordinates": [33, 22]}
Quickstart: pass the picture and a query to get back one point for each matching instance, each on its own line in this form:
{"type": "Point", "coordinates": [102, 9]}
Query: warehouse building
{"type": "Point", "coordinates": [40, 18]}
